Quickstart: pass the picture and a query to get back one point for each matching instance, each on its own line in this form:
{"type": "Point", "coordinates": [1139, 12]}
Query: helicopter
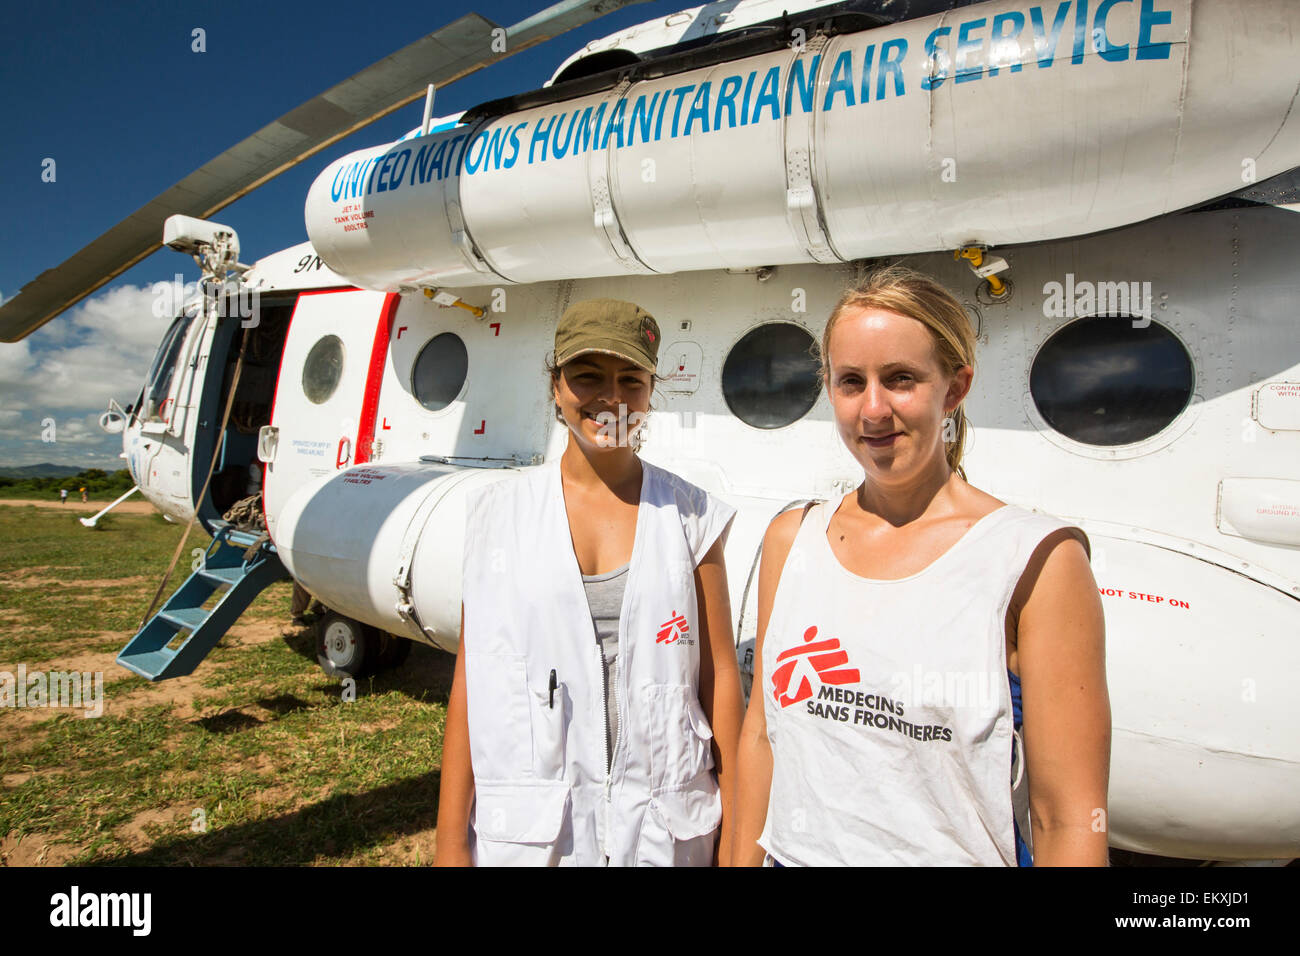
{"type": "Point", "coordinates": [1111, 189]}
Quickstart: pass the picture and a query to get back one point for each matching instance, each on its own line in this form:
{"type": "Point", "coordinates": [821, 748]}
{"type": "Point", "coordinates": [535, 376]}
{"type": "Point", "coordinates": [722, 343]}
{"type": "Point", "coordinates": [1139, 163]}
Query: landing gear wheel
{"type": "Point", "coordinates": [346, 647]}
{"type": "Point", "coordinates": [393, 651]}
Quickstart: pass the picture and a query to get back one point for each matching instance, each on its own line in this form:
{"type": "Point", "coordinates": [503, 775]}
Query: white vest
{"type": "Point", "coordinates": [888, 704]}
{"type": "Point", "coordinates": [542, 794]}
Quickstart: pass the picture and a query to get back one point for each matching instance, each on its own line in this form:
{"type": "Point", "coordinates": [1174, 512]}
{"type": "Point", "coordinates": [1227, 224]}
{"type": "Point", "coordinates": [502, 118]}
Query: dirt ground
{"type": "Point", "coordinates": [288, 771]}
{"type": "Point", "coordinates": [189, 699]}
{"type": "Point", "coordinates": [132, 506]}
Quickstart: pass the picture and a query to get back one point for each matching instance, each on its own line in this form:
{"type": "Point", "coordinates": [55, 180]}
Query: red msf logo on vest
{"type": "Point", "coordinates": [675, 627]}
{"type": "Point", "coordinates": [820, 661]}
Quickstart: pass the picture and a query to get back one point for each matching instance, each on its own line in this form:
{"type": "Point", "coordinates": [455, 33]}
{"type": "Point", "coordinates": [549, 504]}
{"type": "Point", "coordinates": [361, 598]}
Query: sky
{"type": "Point", "coordinates": [117, 97]}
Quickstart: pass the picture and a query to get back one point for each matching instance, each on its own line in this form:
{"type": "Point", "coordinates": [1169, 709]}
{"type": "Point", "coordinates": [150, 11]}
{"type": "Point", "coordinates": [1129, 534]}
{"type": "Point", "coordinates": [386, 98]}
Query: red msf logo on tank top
{"type": "Point", "coordinates": [822, 661]}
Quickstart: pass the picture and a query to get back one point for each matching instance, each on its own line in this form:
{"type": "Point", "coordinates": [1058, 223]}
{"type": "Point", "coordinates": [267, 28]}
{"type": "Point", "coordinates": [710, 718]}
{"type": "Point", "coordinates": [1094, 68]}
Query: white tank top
{"type": "Point", "coordinates": [888, 704]}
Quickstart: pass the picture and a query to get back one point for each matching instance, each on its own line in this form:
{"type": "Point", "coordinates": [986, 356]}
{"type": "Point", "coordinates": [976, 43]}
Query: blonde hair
{"type": "Point", "coordinates": [917, 296]}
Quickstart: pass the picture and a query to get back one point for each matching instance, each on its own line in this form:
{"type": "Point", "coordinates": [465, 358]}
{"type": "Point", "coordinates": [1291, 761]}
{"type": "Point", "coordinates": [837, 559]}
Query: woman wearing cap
{"type": "Point", "coordinates": [596, 701]}
{"type": "Point", "coordinates": [897, 626]}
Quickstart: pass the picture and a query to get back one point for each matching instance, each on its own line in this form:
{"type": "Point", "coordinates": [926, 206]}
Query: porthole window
{"type": "Point", "coordinates": [1103, 381]}
{"type": "Point", "coordinates": [323, 369]}
{"type": "Point", "coordinates": [769, 379]}
{"type": "Point", "coordinates": [439, 371]}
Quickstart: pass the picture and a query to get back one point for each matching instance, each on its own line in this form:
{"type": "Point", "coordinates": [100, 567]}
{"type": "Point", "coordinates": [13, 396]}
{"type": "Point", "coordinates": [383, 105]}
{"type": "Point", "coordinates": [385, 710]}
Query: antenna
{"type": "Point", "coordinates": [428, 111]}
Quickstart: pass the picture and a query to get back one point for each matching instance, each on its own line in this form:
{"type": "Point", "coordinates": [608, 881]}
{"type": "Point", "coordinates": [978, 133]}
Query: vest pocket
{"type": "Point", "coordinates": [680, 824]}
{"type": "Point", "coordinates": [522, 823]}
{"type": "Point", "coordinates": [548, 723]}
{"type": "Point", "coordinates": [499, 715]}
{"type": "Point", "coordinates": [678, 734]}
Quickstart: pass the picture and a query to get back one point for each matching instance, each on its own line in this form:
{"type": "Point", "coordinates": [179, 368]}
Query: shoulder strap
{"type": "Point", "coordinates": [806, 508]}
{"type": "Point", "coordinates": [746, 674]}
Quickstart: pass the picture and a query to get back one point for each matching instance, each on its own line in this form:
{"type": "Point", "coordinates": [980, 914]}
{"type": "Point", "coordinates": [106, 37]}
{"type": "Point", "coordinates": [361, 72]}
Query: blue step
{"type": "Point", "coordinates": [185, 617]}
{"type": "Point", "coordinates": [221, 575]}
{"type": "Point", "coordinates": [224, 566]}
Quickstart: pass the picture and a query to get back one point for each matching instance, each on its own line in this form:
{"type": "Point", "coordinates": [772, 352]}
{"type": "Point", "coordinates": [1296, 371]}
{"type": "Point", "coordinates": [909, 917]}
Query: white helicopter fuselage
{"type": "Point", "coordinates": [385, 407]}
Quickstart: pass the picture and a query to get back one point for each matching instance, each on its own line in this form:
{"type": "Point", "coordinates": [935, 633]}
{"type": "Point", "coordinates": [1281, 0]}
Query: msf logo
{"type": "Point", "coordinates": [674, 629]}
{"type": "Point", "coordinates": [821, 661]}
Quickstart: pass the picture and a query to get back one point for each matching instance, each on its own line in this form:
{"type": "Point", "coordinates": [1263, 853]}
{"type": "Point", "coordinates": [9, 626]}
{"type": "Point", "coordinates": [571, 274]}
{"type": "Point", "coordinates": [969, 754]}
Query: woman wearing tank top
{"type": "Point", "coordinates": [898, 625]}
{"type": "Point", "coordinates": [596, 702]}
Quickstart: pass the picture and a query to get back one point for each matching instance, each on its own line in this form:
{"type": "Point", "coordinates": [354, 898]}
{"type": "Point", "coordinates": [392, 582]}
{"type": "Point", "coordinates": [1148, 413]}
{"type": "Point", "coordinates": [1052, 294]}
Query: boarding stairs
{"type": "Point", "coordinates": [181, 634]}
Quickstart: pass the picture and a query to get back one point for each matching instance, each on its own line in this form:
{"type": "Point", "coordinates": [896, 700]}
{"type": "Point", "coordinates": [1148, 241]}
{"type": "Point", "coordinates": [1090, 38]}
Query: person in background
{"type": "Point", "coordinates": [63, 496]}
{"type": "Point", "coordinates": [930, 661]}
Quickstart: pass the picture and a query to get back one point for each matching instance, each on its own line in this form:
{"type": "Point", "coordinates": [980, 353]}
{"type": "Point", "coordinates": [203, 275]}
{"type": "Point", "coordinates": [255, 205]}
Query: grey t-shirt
{"type": "Point", "coordinates": [605, 600]}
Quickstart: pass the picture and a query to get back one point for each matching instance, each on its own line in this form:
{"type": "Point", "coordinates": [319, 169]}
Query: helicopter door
{"type": "Point", "coordinates": [322, 388]}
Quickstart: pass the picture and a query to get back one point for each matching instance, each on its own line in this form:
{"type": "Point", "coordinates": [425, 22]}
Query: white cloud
{"type": "Point", "coordinates": [81, 431]}
{"type": "Point", "coordinates": [13, 454]}
{"type": "Point", "coordinates": [69, 369]}
{"type": "Point", "coordinates": [100, 350]}
{"type": "Point", "coordinates": [15, 366]}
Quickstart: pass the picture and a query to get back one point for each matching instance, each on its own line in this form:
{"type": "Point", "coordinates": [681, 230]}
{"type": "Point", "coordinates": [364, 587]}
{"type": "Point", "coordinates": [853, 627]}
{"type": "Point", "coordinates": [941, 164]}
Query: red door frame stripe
{"type": "Point", "coordinates": [375, 379]}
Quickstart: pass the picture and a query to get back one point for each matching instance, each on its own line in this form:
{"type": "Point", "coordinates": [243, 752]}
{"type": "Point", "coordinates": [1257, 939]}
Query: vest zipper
{"type": "Point", "coordinates": [604, 696]}
{"type": "Point", "coordinates": [609, 753]}
{"type": "Point", "coordinates": [604, 737]}
{"type": "Point", "coordinates": [618, 669]}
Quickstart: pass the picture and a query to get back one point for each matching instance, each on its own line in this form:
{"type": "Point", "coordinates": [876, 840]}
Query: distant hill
{"type": "Point", "coordinates": [45, 470]}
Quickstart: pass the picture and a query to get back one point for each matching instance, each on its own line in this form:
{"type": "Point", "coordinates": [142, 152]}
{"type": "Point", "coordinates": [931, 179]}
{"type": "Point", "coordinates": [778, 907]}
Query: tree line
{"type": "Point", "coordinates": [99, 484]}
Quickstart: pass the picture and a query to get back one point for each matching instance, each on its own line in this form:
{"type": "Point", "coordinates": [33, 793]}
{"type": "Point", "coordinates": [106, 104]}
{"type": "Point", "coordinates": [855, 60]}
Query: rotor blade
{"type": "Point", "coordinates": [442, 57]}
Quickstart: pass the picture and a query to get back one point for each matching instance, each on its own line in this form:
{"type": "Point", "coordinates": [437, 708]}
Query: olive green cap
{"type": "Point", "coordinates": [609, 326]}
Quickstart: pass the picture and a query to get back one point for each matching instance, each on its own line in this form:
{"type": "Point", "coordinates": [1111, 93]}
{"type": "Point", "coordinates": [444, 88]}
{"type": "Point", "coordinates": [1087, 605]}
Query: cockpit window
{"type": "Point", "coordinates": [163, 370]}
{"type": "Point", "coordinates": [1103, 381]}
{"type": "Point", "coordinates": [769, 379]}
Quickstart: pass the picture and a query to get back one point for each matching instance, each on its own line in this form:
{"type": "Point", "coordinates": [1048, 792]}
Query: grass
{"type": "Point", "coordinates": [255, 759]}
